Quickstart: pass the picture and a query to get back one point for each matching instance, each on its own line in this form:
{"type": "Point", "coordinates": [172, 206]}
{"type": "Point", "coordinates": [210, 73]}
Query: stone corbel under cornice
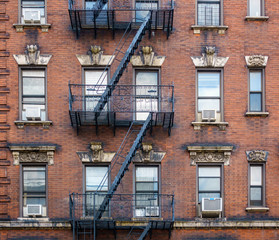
{"type": "Point", "coordinates": [148, 155]}
{"type": "Point", "coordinates": [210, 154]}
{"type": "Point", "coordinates": [96, 154]}
{"type": "Point", "coordinates": [257, 156]}
{"type": "Point", "coordinates": [256, 61]}
{"type": "Point", "coordinates": [33, 154]}
{"type": "Point", "coordinates": [95, 57]}
{"type": "Point", "coordinates": [32, 56]}
{"type": "Point", "coordinates": [210, 59]}
{"type": "Point", "coordinates": [147, 57]}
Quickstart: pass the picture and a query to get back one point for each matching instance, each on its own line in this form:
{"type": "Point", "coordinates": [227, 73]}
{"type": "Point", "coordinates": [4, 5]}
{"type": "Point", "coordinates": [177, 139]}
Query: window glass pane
{"type": "Point", "coordinates": [96, 77]}
{"type": "Point", "coordinates": [255, 102]}
{"type": "Point", "coordinates": [255, 8]}
{"type": "Point", "coordinates": [140, 15]}
{"type": "Point", "coordinates": [256, 193]}
{"type": "Point", "coordinates": [33, 86]}
{"type": "Point", "coordinates": [146, 78]}
{"type": "Point", "coordinates": [256, 81]}
{"type": "Point", "coordinates": [208, 14]}
{"type": "Point", "coordinates": [146, 199]}
{"type": "Point", "coordinates": [147, 174]}
{"type": "Point", "coordinates": [209, 84]}
{"type": "Point", "coordinates": [34, 181]}
{"type": "Point", "coordinates": [209, 171]}
{"type": "Point", "coordinates": [256, 175]}
{"type": "Point", "coordinates": [33, 100]}
{"type": "Point", "coordinates": [153, 186]}
{"type": "Point", "coordinates": [209, 104]}
{"type": "Point", "coordinates": [34, 168]}
{"type": "Point", "coordinates": [36, 200]}
{"type": "Point", "coordinates": [208, 195]}
{"type": "Point", "coordinates": [33, 73]}
{"type": "Point", "coordinates": [94, 176]}
{"type": "Point", "coordinates": [209, 184]}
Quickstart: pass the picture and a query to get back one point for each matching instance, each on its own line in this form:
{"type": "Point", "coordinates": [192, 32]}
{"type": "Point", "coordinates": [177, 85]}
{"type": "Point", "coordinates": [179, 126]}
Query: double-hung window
{"type": "Point", "coordinates": [256, 91]}
{"type": "Point", "coordinates": [34, 189]}
{"type": "Point", "coordinates": [147, 94]}
{"type": "Point", "coordinates": [95, 85]}
{"type": "Point", "coordinates": [147, 191]}
{"type": "Point", "coordinates": [95, 176]}
{"type": "Point", "coordinates": [209, 182]}
{"type": "Point", "coordinates": [209, 12]}
{"type": "Point", "coordinates": [209, 91]}
{"type": "Point", "coordinates": [33, 11]}
{"type": "Point", "coordinates": [256, 185]}
{"type": "Point", "coordinates": [33, 95]}
{"type": "Point", "coordinates": [145, 5]}
{"type": "Point", "coordinates": [255, 8]}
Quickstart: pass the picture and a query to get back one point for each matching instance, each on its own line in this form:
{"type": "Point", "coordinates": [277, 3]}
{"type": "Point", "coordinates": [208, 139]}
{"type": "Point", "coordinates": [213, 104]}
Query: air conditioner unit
{"type": "Point", "coordinates": [211, 207]}
{"type": "Point", "coordinates": [140, 212]}
{"type": "Point", "coordinates": [208, 115]}
{"type": "Point", "coordinates": [152, 211]}
{"type": "Point", "coordinates": [33, 113]}
{"type": "Point", "coordinates": [32, 16]}
{"type": "Point", "coordinates": [34, 210]}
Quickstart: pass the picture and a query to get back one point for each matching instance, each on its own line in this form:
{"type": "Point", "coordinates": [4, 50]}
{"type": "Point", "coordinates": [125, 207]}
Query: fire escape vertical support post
{"type": "Point", "coordinates": [74, 222]}
{"type": "Point", "coordinates": [96, 120]}
{"type": "Point", "coordinates": [169, 20]}
{"type": "Point", "coordinates": [77, 35]}
{"type": "Point", "coordinates": [164, 20]}
{"type": "Point", "coordinates": [79, 20]}
{"type": "Point", "coordinates": [150, 23]}
{"type": "Point", "coordinates": [95, 27]}
{"type": "Point", "coordinates": [71, 20]}
{"type": "Point", "coordinates": [94, 220]}
{"type": "Point", "coordinates": [108, 19]}
{"type": "Point", "coordinates": [172, 12]}
{"type": "Point", "coordinates": [113, 26]}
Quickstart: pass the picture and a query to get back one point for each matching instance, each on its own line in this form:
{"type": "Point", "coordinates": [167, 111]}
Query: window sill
{"type": "Point", "coordinates": [222, 125]}
{"type": "Point", "coordinates": [198, 28]}
{"type": "Point", "coordinates": [257, 209]}
{"type": "Point", "coordinates": [21, 124]}
{"type": "Point", "coordinates": [36, 219]}
{"type": "Point", "coordinates": [256, 114]}
{"type": "Point", "coordinates": [20, 26]}
{"type": "Point", "coordinates": [261, 18]}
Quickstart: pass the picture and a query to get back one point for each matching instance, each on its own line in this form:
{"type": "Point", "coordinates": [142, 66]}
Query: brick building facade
{"type": "Point", "coordinates": [137, 119]}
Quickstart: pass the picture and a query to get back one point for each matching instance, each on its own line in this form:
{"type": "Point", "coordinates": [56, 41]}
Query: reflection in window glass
{"type": "Point", "coordinates": [256, 185]}
{"type": "Point", "coordinates": [255, 8]}
{"type": "Point", "coordinates": [208, 12]}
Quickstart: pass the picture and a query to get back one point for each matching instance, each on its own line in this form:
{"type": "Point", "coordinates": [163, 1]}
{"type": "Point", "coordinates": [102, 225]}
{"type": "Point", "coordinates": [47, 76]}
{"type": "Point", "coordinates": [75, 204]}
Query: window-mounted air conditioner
{"type": "Point", "coordinates": [33, 113]}
{"type": "Point", "coordinates": [34, 210]}
{"type": "Point", "coordinates": [152, 211]}
{"type": "Point", "coordinates": [208, 115]}
{"type": "Point", "coordinates": [211, 207]}
{"type": "Point", "coordinates": [32, 16]}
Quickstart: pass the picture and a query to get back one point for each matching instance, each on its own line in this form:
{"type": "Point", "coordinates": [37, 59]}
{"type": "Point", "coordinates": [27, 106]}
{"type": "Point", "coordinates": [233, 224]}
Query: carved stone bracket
{"type": "Point", "coordinates": [147, 57]}
{"type": "Point", "coordinates": [33, 154]}
{"type": "Point", "coordinates": [209, 59]}
{"type": "Point", "coordinates": [32, 56]}
{"type": "Point", "coordinates": [95, 56]}
{"type": "Point", "coordinates": [256, 61]}
{"type": "Point", "coordinates": [96, 154]}
{"type": "Point", "coordinates": [210, 154]}
{"type": "Point", "coordinates": [257, 156]}
{"type": "Point", "coordinates": [147, 154]}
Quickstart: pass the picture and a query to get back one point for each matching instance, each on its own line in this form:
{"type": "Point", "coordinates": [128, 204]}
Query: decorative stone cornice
{"type": "Point", "coordinates": [96, 154]}
{"type": "Point", "coordinates": [256, 61]}
{"type": "Point", "coordinates": [32, 56]}
{"type": "Point", "coordinates": [147, 154]}
{"type": "Point", "coordinates": [257, 156]}
{"type": "Point", "coordinates": [147, 57]}
{"type": "Point", "coordinates": [209, 59]}
{"type": "Point", "coordinates": [95, 57]}
{"type": "Point", "coordinates": [210, 154]}
{"type": "Point", "coordinates": [33, 154]}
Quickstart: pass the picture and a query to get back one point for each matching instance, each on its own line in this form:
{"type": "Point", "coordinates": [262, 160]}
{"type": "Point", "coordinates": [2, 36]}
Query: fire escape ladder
{"type": "Point", "coordinates": [145, 231]}
{"type": "Point", "coordinates": [123, 64]}
{"type": "Point", "coordinates": [136, 145]}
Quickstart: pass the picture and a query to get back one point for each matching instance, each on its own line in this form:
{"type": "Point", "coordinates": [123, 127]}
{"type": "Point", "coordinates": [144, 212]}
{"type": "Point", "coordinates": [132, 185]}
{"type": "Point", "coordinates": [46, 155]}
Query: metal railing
{"type": "Point", "coordinates": [124, 98]}
{"type": "Point", "coordinates": [122, 206]}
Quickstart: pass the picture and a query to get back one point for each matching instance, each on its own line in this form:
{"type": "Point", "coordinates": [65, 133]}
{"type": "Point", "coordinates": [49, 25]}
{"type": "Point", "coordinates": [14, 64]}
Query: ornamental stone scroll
{"type": "Point", "coordinates": [33, 154]}
{"type": "Point", "coordinates": [257, 156]}
{"type": "Point", "coordinates": [210, 154]}
{"type": "Point", "coordinates": [256, 61]}
{"type": "Point", "coordinates": [147, 155]}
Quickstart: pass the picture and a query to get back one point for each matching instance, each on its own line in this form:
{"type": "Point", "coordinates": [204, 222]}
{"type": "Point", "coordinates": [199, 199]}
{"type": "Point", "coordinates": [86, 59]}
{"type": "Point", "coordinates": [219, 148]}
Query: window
{"type": "Point", "coordinates": [94, 176]}
{"type": "Point", "coordinates": [33, 95]}
{"type": "Point", "coordinates": [256, 185]}
{"type": "Point", "coordinates": [255, 8]}
{"type": "Point", "coordinates": [256, 95]}
{"type": "Point", "coordinates": [146, 93]}
{"type": "Point", "coordinates": [209, 182]}
{"type": "Point", "coordinates": [209, 91]}
{"type": "Point", "coordinates": [208, 12]}
{"type": "Point", "coordinates": [34, 188]}
{"type": "Point", "coordinates": [33, 11]}
{"type": "Point", "coordinates": [96, 81]}
{"type": "Point", "coordinates": [147, 190]}
{"type": "Point", "coordinates": [140, 15]}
